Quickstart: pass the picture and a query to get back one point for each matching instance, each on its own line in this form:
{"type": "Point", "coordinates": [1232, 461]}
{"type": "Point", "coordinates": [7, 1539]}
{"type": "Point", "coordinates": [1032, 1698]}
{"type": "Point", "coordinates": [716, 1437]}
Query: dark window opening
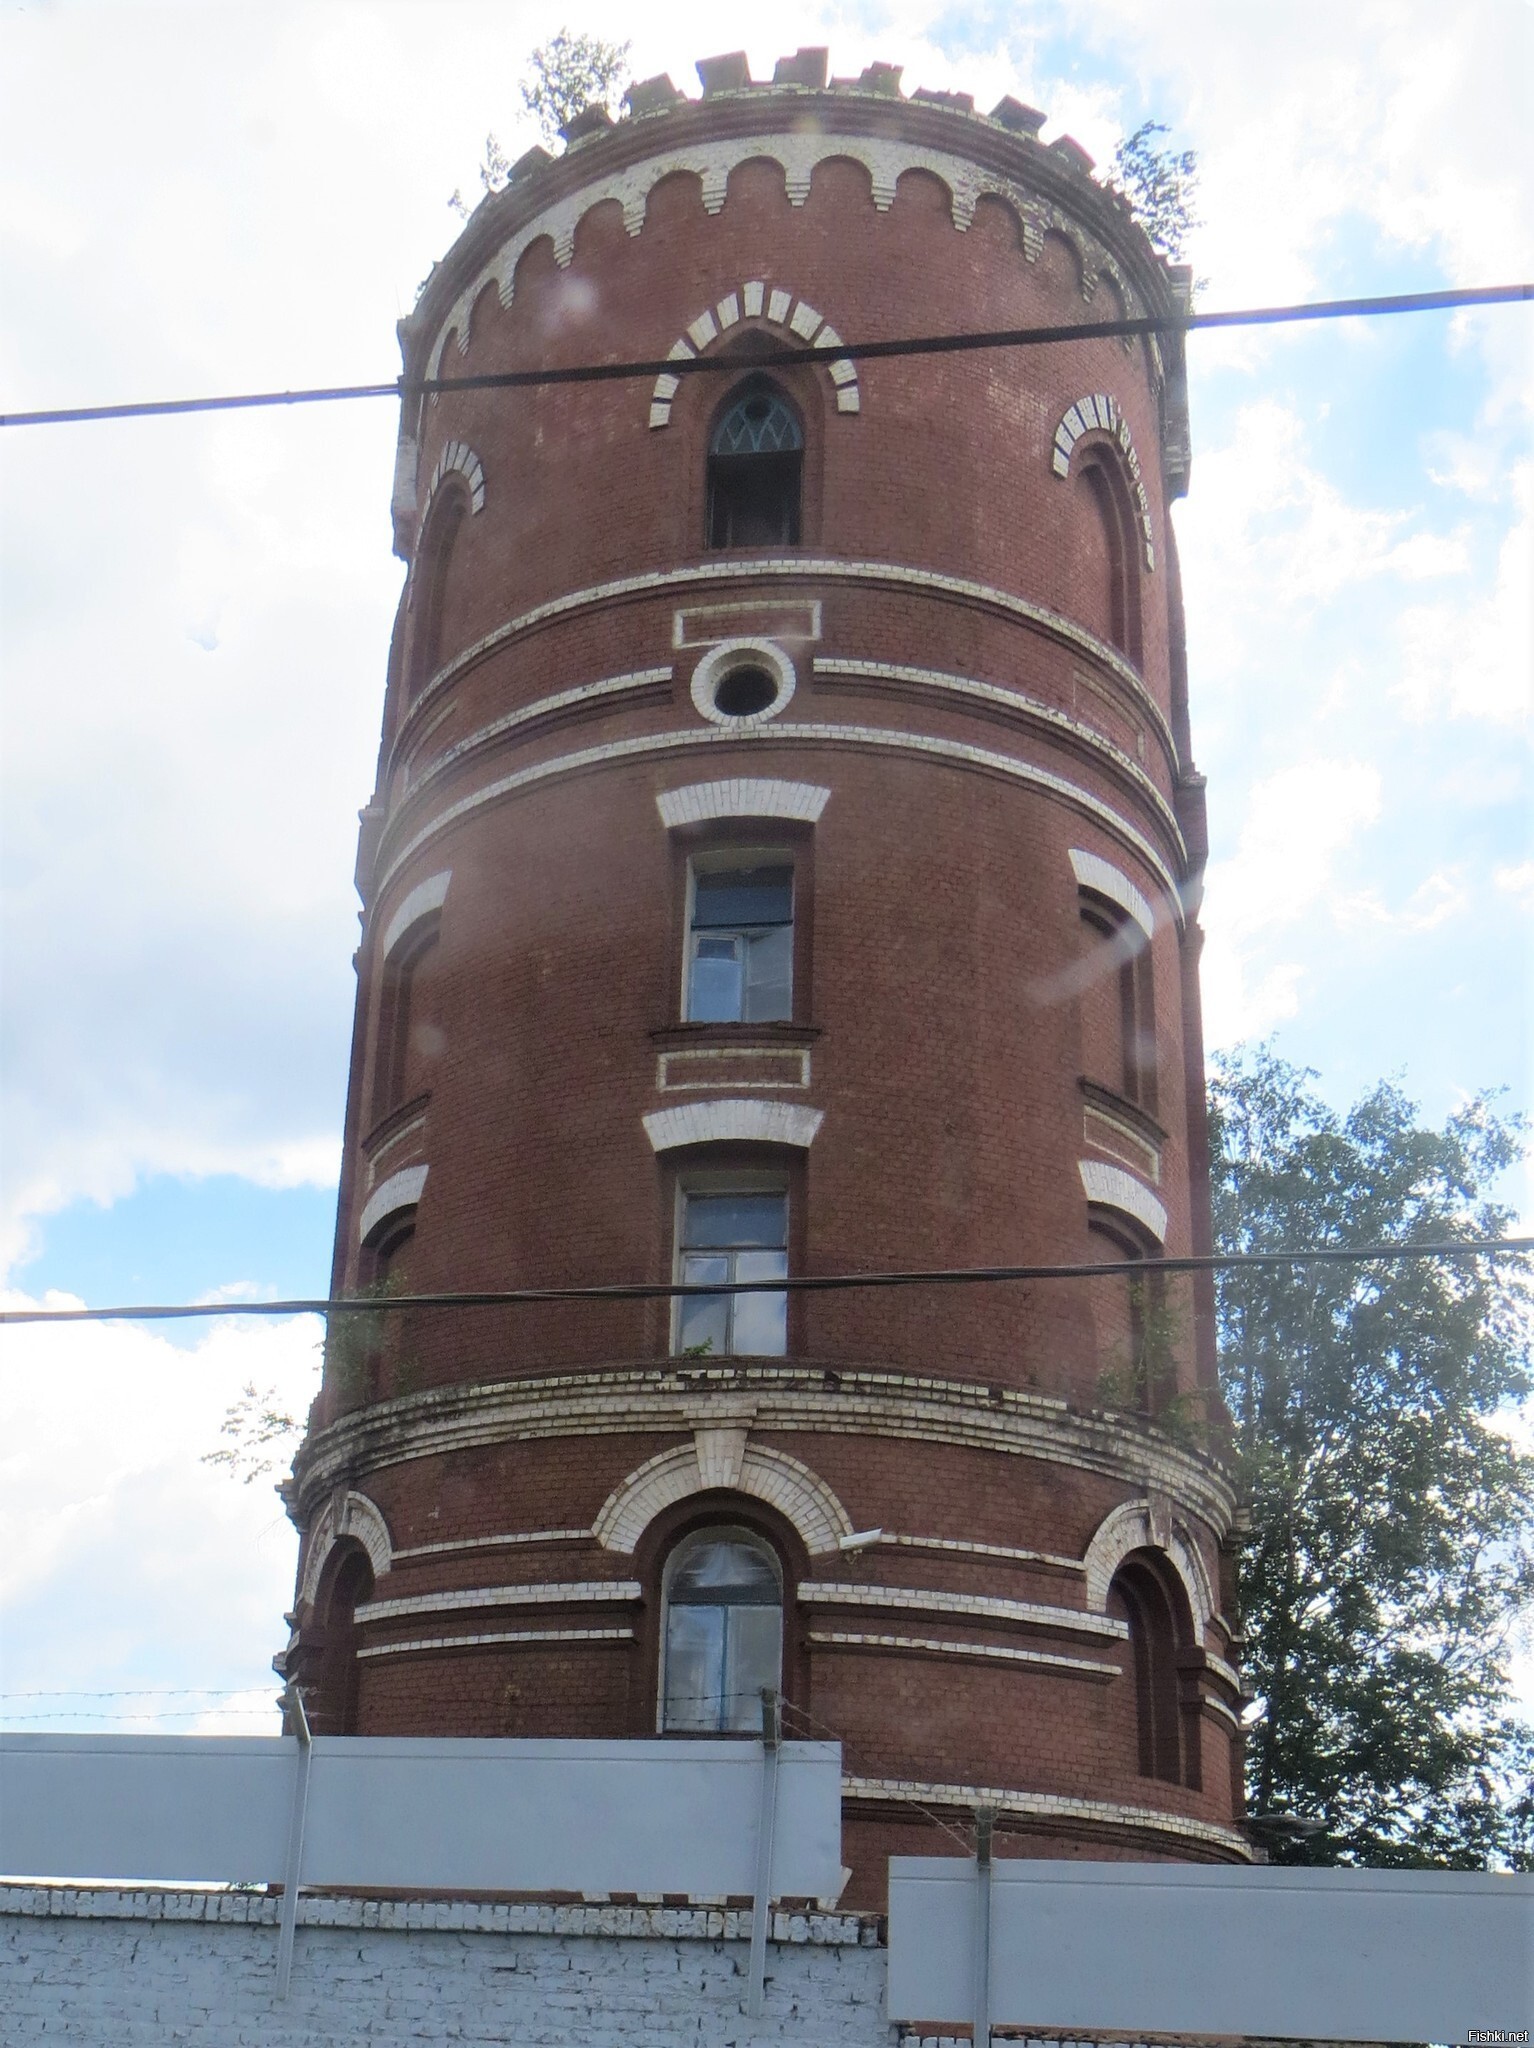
{"type": "Point", "coordinates": [1119, 1016]}
{"type": "Point", "coordinates": [396, 1022]}
{"type": "Point", "coordinates": [755, 468]}
{"type": "Point", "coordinates": [1153, 1651]}
{"type": "Point", "coordinates": [745, 691]}
{"type": "Point", "coordinates": [437, 548]}
{"type": "Point", "coordinates": [333, 1704]}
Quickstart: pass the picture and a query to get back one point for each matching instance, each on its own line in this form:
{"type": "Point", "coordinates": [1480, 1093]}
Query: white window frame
{"type": "Point", "coordinates": [726, 1532]}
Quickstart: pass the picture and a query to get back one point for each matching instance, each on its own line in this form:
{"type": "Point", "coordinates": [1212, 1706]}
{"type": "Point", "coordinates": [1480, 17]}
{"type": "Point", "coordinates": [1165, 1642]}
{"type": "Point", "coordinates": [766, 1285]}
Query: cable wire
{"type": "Point", "coordinates": [859, 351]}
{"type": "Point", "coordinates": [801, 1283]}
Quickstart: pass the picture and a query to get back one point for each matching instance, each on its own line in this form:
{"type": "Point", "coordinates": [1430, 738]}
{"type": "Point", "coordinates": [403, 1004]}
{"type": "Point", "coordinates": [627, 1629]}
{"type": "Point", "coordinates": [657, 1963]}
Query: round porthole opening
{"type": "Point", "coordinates": [746, 691]}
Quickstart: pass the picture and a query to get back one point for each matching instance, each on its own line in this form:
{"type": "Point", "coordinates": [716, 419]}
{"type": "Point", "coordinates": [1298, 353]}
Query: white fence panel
{"type": "Point", "coordinates": [426, 1814]}
{"type": "Point", "coordinates": [1350, 1955]}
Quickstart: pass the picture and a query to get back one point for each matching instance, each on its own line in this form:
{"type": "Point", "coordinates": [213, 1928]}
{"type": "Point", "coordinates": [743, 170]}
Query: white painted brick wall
{"type": "Point", "coordinates": [117, 1969]}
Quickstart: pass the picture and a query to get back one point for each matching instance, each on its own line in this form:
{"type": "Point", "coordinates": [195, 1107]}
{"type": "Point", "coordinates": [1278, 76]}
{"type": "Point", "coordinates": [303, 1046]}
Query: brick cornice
{"type": "Point", "coordinates": [652, 1401]}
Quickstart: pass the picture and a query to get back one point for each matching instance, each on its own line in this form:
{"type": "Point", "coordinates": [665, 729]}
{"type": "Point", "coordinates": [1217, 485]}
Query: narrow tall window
{"type": "Point", "coordinates": [740, 964]}
{"type": "Point", "coordinates": [723, 1633]}
{"type": "Point", "coordinates": [1142, 1602]}
{"type": "Point", "coordinates": [398, 1017]}
{"type": "Point", "coordinates": [755, 467]}
{"type": "Point", "coordinates": [426, 648]}
{"type": "Point", "coordinates": [1118, 1009]}
{"type": "Point", "coordinates": [728, 1237]}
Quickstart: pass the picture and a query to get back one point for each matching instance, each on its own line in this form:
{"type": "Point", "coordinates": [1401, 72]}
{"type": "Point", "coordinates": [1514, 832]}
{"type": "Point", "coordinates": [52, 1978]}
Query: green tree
{"type": "Point", "coordinates": [1159, 184]}
{"type": "Point", "coordinates": [1391, 1551]}
{"type": "Point", "coordinates": [570, 72]}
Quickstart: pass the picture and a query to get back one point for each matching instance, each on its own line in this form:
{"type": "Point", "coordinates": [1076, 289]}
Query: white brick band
{"type": "Point", "coordinates": [499, 1638]}
{"type": "Point", "coordinates": [1111, 1187]}
{"type": "Point", "coordinates": [977, 1606]}
{"type": "Point", "coordinates": [1055, 1807]}
{"type": "Point", "coordinates": [733, 1119]}
{"type": "Point", "coordinates": [570, 1594]}
{"type": "Point", "coordinates": [941, 1646]}
{"type": "Point", "coordinates": [401, 1190]}
{"type": "Point", "coordinates": [493, 1542]}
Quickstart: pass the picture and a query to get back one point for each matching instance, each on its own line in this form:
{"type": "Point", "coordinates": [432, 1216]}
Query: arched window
{"type": "Point", "coordinates": [398, 1017]}
{"type": "Point", "coordinates": [1138, 1597]}
{"type": "Point", "coordinates": [755, 466]}
{"type": "Point", "coordinates": [431, 574]}
{"type": "Point", "coordinates": [347, 1583]}
{"type": "Point", "coordinates": [722, 1634]}
{"type": "Point", "coordinates": [1111, 560]}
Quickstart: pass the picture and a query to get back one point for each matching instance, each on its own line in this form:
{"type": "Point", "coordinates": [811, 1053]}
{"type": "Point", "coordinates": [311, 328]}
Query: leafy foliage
{"type": "Point", "coordinates": [570, 72]}
{"type": "Point", "coordinates": [262, 1436]}
{"type": "Point", "coordinates": [1391, 1554]}
{"type": "Point", "coordinates": [1159, 184]}
{"type": "Point", "coordinates": [565, 74]}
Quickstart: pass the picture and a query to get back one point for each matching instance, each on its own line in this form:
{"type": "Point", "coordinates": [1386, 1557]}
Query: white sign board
{"type": "Point", "coordinates": [422, 1814]}
{"type": "Point", "coordinates": [1287, 1953]}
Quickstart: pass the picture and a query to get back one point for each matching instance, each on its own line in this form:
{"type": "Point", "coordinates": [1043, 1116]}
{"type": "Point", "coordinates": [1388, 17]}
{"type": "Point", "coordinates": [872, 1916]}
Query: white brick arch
{"type": "Point", "coordinates": [777, 307]}
{"type": "Point", "coordinates": [1111, 1187]}
{"type": "Point", "coordinates": [733, 1119]}
{"type": "Point", "coordinates": [782, 1482]}
{"type": "Point", "coordinates": [457, 459]}
{"type": "Point", "coordinates": [1132, 1526]}
{"type": "Point", "coordinates": [1099, 413]}
{"type": "Point", "coordinates": [347, 1514]}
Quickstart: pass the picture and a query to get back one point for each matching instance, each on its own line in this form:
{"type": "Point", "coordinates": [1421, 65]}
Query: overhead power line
{"type": "Point", "coordinates": [803, 1283]}
{"type": "Point", "coordinates": [782, 358]}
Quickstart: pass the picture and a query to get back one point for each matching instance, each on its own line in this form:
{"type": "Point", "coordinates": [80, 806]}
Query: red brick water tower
{"type": "Point", "coordinates": [783, 861]}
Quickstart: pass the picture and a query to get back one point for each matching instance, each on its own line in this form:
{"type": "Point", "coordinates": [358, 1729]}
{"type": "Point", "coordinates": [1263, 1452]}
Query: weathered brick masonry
{"type": "Point", "coordinates": [945, 695]}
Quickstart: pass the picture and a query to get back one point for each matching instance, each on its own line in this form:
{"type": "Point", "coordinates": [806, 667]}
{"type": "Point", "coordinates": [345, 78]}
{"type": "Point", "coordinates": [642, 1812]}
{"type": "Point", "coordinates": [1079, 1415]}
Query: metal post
{"type": "Point", "coordinates": [772, 1736]}
{"type": "Point", "coordinates": [985, 1824]}
{"type": "Point", "coordinates": [293, 1701]}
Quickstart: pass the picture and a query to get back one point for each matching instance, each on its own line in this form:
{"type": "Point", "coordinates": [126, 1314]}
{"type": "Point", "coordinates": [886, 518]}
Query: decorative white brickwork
{"type": "Point", "coordinates": [571, 1593]}
{"type": "Point", "coordinates": [499, 1638]}
{"type": "Point", "coordinates": [867, 1402]}
{"type": "Point", "coordinates": [457, 459]}
{"type": "Point", "coordinates": [350, 1514]}
{"type": "Point", "coordinates": [1094, 873]}
{"type": "Point", "coordinates": [493, 1542]}
{"type": "Point", "coordinates": [803, 321]}
{"type": "Point", "coordinates": [743, 796]}
{"type": "Point", "coordinates": [750, 1066]}
{"type": "Point", "coordinates": [578, 698]}
{"type": "Point", "coordinates": [814, 570]}
{"type": "Point", "coordinates": [1002, 1552]}
{"type": "Point", "coordinates": [1131, 1526]}
{"type": "Point", "coordinates": [1049, 1806]}
{"type": "Point", "coordinates": [401, 1190]}
{"type": "Point", "coordinates": [726, 655]}
{"type": "Point", "coordinates": [975, 1606]}
{"type": "Point", "coordinates": [1101, 413]}
{"type": "Point", "coordinates": [425, 898]}
{"type": "Point", "coordinates": [730, 1120]}
{"type": "Point", "coordinates": [769, 1475]}
{"type": "Point", "coordinates": [1111, 1187]}
{"type": "Point", "coordinates": [942, 1646]}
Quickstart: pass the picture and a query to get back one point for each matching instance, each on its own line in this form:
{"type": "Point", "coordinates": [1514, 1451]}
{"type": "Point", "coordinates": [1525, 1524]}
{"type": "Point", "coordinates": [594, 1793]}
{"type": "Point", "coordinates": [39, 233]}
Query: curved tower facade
{"type": "Point", "coordinates": [783, 862]}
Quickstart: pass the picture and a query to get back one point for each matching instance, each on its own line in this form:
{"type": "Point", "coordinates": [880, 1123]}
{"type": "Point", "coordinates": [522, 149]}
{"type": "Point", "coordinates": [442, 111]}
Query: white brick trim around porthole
{"type": "Point", "coordinates": [1110, 1187]}
{"type": "Point", "coordinates": [733, 1119]}
{"type": "Point", "coordinates": [744, 796]}
{"type": "Point", "coordinates": [422, 900]}
{"type": "Point", "coordinates": [401, 1190]}
{"type": "Point", "coordinates": [1103, 879]}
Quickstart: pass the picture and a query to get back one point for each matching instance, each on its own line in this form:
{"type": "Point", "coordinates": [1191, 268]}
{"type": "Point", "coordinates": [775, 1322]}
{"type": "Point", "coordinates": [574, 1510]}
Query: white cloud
{"type": "Point", "coordinates": [126, 1562]}
{"type": "Point", "coordinates": [1299, 824]}
{"type": "Point", "coordinates": [1473, 657]}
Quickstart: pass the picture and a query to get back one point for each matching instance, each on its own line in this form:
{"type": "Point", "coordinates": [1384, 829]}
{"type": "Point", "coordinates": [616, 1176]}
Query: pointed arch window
{"type": "Point", "coordinates": [755, 470]}
{"type": "Point", "coordinates": [723, 1633]}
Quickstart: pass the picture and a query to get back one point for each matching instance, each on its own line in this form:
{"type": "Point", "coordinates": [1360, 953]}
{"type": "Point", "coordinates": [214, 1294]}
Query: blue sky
{"type": "Point", "coordinates": [196, 616]}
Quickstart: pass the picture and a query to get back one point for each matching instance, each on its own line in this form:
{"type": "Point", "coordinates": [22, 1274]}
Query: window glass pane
{"type": "Point", "coordinates": [718, 1221]}
{"type": "Point", "coordinates": [694, 1667]}
{"type": "Point", "coordinates": [769, 976]}
{"type": "Point", "coordinates": [703, 1318]}
{"type": "Point", "coordinates": [759, 423]}
{"type": "Point", "coordinates": [753, 1658]}
{"type": "Point", "coordinates": [759, 1323]}
{"type": "Point", "coordinates": [721, 1572]}
{"type": "Point", "coordinates": [714, 988]}
{"type": "Point", "coordinates": [742, 896]}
